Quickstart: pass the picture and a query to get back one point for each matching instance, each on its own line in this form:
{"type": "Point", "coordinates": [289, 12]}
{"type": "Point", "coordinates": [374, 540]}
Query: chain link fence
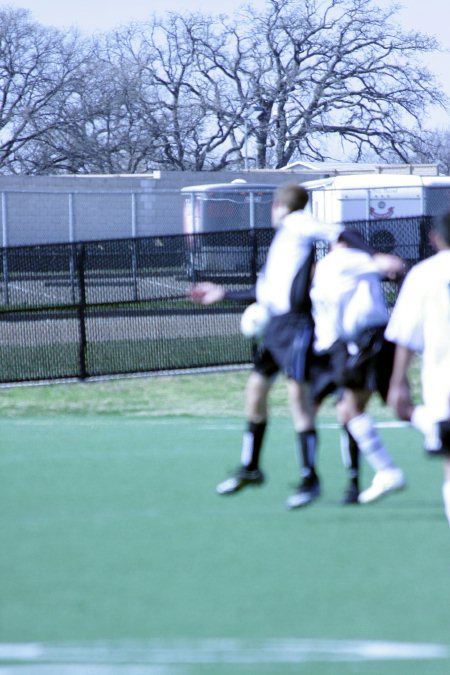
{"type": "Point", "coordinates": [118, 307]}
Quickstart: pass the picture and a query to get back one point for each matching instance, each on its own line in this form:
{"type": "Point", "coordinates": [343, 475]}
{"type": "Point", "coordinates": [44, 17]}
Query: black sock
{"type": "Point", "coordinates": [251, 444]}
{"type": "Point", "coordinates": [350, 455]}
{"type": "Point", "coordinates": [307, 450]}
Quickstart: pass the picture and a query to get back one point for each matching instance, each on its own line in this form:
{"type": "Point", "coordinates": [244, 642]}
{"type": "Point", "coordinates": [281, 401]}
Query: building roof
{"type": "Point", "coordinates": [376, 181]}
{"type": "Point", "coordinates": [339, 168]}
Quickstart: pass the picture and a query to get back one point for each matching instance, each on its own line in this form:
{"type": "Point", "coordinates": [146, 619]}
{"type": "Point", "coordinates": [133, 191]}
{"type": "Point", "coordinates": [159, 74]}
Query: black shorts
{"type": "Point", "coordinates": [288, 345]}
{"type": "Point", "coordinates": [264, 363]}
{"type": "Point", "coordinates": [369, 369]}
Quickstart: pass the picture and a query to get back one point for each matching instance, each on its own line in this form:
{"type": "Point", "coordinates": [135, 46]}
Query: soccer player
{"type": "Point", "coordinates": [351, 356]}
{"type": "Point", "coordinates": [420, 323]}
{"type": "Point", "coordinates": [283, 289]}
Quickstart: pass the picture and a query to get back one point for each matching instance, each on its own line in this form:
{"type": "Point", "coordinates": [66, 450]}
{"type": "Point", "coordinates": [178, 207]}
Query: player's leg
{"type": "Point", "coordinates": [249, 473]}
{"type": "Point", "coordinates": [256, 409]}
{"type": "Point", "coordinates": [350, 457]}
{"type": "Point", "coordinates": [446, 485]}
{"type": "Point", "coordinates": [423, 419]}
{"type": "Point", "coordinates": [324, 373]}
{"type": "Point", "coordinates": [432, 418]}
{"type": "Point", "coordinates": [303, 415]}
{"type": "Point", "coordinates": [388, 477]}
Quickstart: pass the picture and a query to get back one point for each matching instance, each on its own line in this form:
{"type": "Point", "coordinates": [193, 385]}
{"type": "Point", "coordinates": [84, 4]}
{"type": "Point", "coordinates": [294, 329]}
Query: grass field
{"type": "Point", "coordinates": [118, 558]}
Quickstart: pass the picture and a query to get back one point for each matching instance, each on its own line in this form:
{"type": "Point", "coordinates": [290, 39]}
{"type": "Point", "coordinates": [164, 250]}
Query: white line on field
{"type": "Point", "coordinates": [131, 419]}
{"type": "Point", "coordinates": [113, 656]}
{"type": "Point", "coordinates": [394, 424]}
{"type": "Point", "coordinates": [85, 669]}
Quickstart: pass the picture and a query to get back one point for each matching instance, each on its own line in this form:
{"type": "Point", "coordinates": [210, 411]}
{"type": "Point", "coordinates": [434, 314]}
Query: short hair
{"type": "Point", "coordinates": [442, 226]}
{"type": "Point", "coordinates": [294, 197]}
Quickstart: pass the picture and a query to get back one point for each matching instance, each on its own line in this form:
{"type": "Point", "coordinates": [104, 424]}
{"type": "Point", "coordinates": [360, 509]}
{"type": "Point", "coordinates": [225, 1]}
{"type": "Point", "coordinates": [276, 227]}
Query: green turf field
{"type": "Point", "coordinates": [118, 558]}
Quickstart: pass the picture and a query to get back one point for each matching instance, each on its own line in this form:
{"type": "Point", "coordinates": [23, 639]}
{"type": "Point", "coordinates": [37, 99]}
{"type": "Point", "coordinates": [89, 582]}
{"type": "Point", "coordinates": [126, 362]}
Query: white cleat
{"type": "Point", "coordinates": [384, 482]}
{"type": "Point", "coordinates": [241, 479]}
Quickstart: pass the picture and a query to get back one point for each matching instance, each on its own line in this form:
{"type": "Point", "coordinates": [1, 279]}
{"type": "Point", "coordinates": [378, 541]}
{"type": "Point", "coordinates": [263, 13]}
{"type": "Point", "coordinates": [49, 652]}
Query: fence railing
{"type": "Point", "coordinates": [116, 307]}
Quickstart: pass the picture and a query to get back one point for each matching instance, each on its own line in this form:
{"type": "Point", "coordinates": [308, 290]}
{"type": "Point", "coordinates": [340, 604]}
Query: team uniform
{"type": "Point", "coordinates": [282, 289]}
{"type": "Point", "coordinates": [420, 322]}
{"type": "Point", "coordinates": [350, 351]}
{"type": "Point", "coordinates": [350, 316]}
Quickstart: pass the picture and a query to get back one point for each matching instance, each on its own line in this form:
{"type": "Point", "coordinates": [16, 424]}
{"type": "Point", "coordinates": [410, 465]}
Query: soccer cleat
{"type": "Point", "coordinates": [384, 482]}
{"type": "Point", "coordinates": [308, 491]}
{"type": "Point", "coordinates": [350, 496]}
{"type": "Point", "coordinates": [241, 479]}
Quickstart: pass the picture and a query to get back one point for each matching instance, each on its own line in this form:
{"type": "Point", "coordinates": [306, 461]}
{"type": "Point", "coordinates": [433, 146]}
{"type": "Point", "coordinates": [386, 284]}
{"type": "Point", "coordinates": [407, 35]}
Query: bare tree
{"type": "Point", "coordinates": [103, 127]}
{"type": "Point", "coordinates": [39, 69]}
{"type": "Point", "coordinates": [309, 79]}
{"type": "Point", "coordinates": [327, 70]}
{"type": "Point", "coordinates": [190, 103]}
{"type": "Point", "coordinates": [434, 146]}
{"type": "Point", "coordinates": [148, 100]}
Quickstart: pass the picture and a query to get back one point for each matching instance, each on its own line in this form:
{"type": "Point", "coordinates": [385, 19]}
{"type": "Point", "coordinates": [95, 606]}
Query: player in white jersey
{"type": "Point", "coordinates": [350, 353]}
{"type": "Point", "coordinates": [420, 323]}
{"type": "Point", "coordinates": [282, 289]}
{"type": "Point", "coordinates": [347, 296]}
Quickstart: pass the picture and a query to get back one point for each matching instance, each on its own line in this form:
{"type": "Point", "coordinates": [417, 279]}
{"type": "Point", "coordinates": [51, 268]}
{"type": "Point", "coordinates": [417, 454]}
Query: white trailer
{"type": "Point", "coordinates": [380, 196]}
{"type": "Point", "coordinates": [379, 199]}
{"type": "Point", "coordinates": [219, 208]}
{"type": "Point", "coordinates": [227, 206]}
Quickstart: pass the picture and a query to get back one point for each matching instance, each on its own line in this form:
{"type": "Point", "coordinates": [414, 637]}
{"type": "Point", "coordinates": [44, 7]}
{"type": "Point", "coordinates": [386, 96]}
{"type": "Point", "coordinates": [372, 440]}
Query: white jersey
{"type": "Point", "coordinates": [420, 321]}
{"type": "Point", "coordinates": [347, 297]}
{"type": "Point", "coordinates": [289, 250]}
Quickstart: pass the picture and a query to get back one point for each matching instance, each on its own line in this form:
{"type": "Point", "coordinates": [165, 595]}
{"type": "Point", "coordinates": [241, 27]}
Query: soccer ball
{"type": "Point", "coordinates": [254, 320]}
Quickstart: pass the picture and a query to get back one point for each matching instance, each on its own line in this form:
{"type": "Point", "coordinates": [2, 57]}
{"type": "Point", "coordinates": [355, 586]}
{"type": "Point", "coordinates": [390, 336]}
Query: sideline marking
{"type": "Point", "coordinates": [131, 418]}
{"type": "Point", "coordinates": [395, 424]}
{"type": "Point", "coordinates": [109, 658]}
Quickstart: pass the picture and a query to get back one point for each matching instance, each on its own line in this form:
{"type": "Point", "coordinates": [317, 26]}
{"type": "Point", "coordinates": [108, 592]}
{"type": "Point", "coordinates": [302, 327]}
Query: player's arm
{"type": "Point", "coordinates": [311, 229]}
{"type": "Point", "coordinates": [399, 394]}
{"type": "Point", "coordinates": [208, 293]}
{"type": "Point", "coordinates": [388, 265]}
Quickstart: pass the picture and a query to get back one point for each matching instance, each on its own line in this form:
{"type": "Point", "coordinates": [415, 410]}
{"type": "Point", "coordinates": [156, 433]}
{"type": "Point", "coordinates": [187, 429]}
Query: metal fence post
{"type": "Point", "coordinates": [81, 256]}
{"type": "Point", "coordinates": [367, 226]}
{"type": "Point", "coordinates": [72, 255]}
{"type": "Point", "coordinates": [193, 241]}
{"type": "Point", "coordinates": [134, 244]}
{"type": "Point", "coordinates": [254, 259]}
{"type": "Point", "coordinates": [5, 249]}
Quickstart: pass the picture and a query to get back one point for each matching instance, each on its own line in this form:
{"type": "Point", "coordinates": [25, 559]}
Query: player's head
{"type": "Point", "coordinates": [442, 230]}
{"type": "Point", "coordinates": [288, 198]}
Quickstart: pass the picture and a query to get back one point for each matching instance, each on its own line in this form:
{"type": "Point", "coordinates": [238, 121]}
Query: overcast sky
{"type": "Point", "coordinates": [428, 16]}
